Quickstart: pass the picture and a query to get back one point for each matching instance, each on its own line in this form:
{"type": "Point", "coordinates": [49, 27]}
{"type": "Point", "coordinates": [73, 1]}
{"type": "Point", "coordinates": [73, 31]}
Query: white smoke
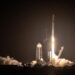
{"type": "Point", "coordinates": [62, 62]}
{"type": "Point", "coordinates": [56, 61]}
{"type": "Point", "coordinates": [9, 61]}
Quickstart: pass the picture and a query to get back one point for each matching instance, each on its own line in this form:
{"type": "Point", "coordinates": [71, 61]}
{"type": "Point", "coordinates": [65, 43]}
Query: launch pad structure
{"type": "Point", "coordinates": [39, 51]}
{"type": "Point", "coordinates": [54, 59]}
{"type": "Point", "coordinates": [51, 53]}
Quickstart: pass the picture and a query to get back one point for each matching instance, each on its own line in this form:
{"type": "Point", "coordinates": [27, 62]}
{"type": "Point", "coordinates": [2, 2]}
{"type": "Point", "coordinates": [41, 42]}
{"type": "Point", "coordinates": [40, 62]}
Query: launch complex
{"type": "Point", "coordinates": [54, 59]}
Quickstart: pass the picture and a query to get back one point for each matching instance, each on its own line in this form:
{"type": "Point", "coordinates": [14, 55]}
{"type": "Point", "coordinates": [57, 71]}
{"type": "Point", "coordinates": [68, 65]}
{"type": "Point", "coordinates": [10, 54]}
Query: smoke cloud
{"type": "Point", "coordinates": [9, 61]}
{"type": "Point", "coordinates": [61, 62]}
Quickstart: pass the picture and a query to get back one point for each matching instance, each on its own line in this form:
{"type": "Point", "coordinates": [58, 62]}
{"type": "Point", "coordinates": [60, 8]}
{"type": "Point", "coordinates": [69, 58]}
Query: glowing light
{"type": "Point", "coordinates": [39, 45]}
{"type": "Point", "coordinates": [53, 45]}
{"type": "Point", "coordinates": [52, 40]}
{"type": "Point", "coordinates": [39, 51]}
{"type": "Point", "coordinates": [55, 60]}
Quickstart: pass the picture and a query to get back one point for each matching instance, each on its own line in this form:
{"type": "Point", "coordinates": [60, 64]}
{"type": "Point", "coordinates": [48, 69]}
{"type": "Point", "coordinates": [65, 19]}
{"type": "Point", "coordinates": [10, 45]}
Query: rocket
{"type": "Point", "coordinates": [51, 52]}
{"type": "Point", "coordinates": [52, 37]}
{"type": "Point", "coordinates": [55, 59]}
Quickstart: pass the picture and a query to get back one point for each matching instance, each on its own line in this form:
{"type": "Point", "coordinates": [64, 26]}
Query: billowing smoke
{"type": "Point", "coordinates": [62, 62]}
{"type": "Point", "coordinates": [9, 61]}
{"type": "Point", "coordinates": [56, 61]}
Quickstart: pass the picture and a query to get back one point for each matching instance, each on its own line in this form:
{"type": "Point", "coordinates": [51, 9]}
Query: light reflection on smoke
{"type": "Point", "coordinates": [61, 62]}
{"type": "Point", "coordinates": [56, 62]}
{"type": "Point", "coordinates": [9, 61]}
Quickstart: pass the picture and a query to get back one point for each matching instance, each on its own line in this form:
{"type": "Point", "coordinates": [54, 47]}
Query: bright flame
{"type": "Point", "coordinates": [55, 60]}
{"type": "Point", "coordinates": [53, 40]}
{"type": "Point", "coordinates": [39, 45]}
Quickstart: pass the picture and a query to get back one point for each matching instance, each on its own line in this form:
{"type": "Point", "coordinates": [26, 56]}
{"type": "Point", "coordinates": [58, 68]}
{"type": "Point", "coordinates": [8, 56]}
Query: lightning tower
{"type": "Point", "coordinates": [39, 51]}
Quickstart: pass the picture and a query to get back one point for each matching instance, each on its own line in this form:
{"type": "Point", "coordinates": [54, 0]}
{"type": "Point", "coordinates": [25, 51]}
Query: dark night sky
{"type": "Point", "coordinates": [24, 24]}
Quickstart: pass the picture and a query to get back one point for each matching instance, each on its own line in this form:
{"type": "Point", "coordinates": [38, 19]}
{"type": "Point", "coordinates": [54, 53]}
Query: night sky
{"type": "Point", "coordinates": [24, 24]}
